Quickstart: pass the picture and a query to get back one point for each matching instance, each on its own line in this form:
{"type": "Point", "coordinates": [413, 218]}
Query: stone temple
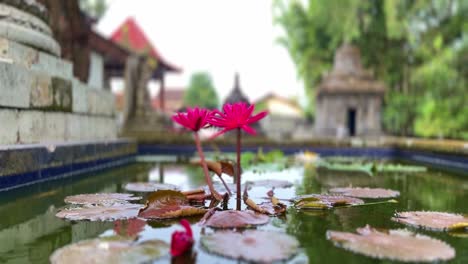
{"type": "Point", "coordinates": [349, 99]}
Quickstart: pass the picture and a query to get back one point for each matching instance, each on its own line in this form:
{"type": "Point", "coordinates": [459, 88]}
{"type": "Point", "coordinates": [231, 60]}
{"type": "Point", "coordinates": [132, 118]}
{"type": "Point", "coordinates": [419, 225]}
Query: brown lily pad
{"type": "Point", "coordinates": [324, 201]}
{"type": "Point", "coordinates": [166, 204]}
{"type": "Point", "coordinates": [272, 207]}
{"type": "Point", "coordinates": [101, 213]}
{"type": "Point", "coordinates": [432, 220]}
{"type": "Point", "coordinates": [219, 167]}
{"type": "Point", "coordinates": [129, 228]}
{"type": "Point", "coordinates": [100, 198]}
{"type": "Point", "coordinates": [360, 192]}
{"type": "Point", "coordinates": [110, 250]}
{"type": "Point", "coordinates": [149, 186]}
{"type": "Point", "coordinates": [397, 245]}
{"type": "Point", "coordinates": [270, 184]}
{"type": "Point", "coordinates": [252, 245]}
{"type": "Point", "coordinates": [235, 219]}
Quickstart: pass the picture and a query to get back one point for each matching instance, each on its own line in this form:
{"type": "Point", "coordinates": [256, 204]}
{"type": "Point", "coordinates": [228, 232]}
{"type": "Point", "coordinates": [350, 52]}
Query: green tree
{"type": "Point", "coordinates": [94, 8]}
{"type": "Point", "coordinates": [417, 47]}
{"type": "Point", "coordinates": [201, 92]}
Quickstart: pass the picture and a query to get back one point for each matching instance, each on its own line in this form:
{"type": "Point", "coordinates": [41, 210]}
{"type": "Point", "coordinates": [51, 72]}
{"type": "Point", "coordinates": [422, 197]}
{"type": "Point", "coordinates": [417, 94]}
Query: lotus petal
{"type": "Point", "coordinates": [360, 192]}
{"type": "Point", "coordinates": [101, 213]}
{"type": "Point", "coordinates": [397, 245]}
{"type": "Point", "coordinates": [100, 198]}
{"type": "Point", "coordinates": [270, 183]}
{"type": "Point", "coordinates": [235, 219]}
{"type": "Point", "coordinates": [324, 201]}
{"type": "Point", "coordinates": [149, 186]}
{"type": "Point", "coordinates": [166, 204]}
{"type": "Point", "coordinates": [110, 250]}
{"type": "Point", "coordinates": [252, 245]}
{"type": "Point", "coordinates": [432, 220]}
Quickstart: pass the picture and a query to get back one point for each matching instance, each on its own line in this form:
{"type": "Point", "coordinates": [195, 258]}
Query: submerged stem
{"type": "Point", "coordinates": [238, 176]}
{"type": "Point", "coordinates": [216, 195]}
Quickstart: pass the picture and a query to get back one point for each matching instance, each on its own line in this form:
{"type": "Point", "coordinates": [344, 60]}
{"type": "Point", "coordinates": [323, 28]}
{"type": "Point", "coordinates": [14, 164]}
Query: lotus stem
{"type": "Point", "coordinates": [216, 195]}
{"type": "Point", "coordinates": [238, 171]}
{"type": "Point", "coordinates": [225, 185]}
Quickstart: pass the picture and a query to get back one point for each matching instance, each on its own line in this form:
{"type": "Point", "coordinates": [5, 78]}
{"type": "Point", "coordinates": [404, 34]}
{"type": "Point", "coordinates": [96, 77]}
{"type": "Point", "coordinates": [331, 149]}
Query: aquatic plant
{"type": "Point", "coordinates": [236, 116]}
{"type": "Point", "coordinates": [195, 119]}
{"type": "Point", "coordinates": [182, 241]}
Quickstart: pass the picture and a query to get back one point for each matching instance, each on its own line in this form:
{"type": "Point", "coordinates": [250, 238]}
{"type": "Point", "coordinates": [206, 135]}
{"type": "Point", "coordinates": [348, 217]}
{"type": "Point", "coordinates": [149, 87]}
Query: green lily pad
{"type": "Point", "coordinates": [382, 167]}
{"type": "Point", "coordinates": [234, 219]}
{"type": "Point", "coordinates": [395, 245]}
{"type": "Point", "coordinates": [110, 250]}
{"type": "Point", "coordinates": [149, 186]}
{"type": "Point", "coordinates": [166, 204]}
{"type": "Point", "coordinates": [433, 220]}
{"type": "Point", "coordinates": [100, 198]}
{"type": "Point", "coordinates": [360, 192]}
{"type": "Point", "coordinates": [101, 213]}
{"type": "Point", "coordinates": [325, 201]}
{"type": "Point", "coordinates": [252, 245]}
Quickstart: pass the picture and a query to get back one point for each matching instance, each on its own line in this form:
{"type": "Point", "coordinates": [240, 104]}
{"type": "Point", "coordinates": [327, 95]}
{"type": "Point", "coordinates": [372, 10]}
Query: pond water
{"type": "Point", "coordinates": [30, 232]}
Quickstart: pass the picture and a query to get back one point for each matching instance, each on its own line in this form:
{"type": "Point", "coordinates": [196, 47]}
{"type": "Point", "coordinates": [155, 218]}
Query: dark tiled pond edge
{"type": "Point", "coordinates": [28, 164]}
{"type": "Point", "coordinates": [22, 165]}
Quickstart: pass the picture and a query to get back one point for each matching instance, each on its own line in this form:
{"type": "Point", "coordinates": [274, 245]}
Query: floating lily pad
{"type": "Point", "coordinates": [270, 183]}
{"type": "Point", "coordinates": [129, 228]}
{"type": "Point", "coordinates": [324, 201]}
{"type": "Point", "coordinates": [235, 219]}
{"type": "Point", "coordinates": [432, 220]}
{"type": "Point", "coordinates": [101, 213]}
{"type": "Point", "coordinates": [365, 192]}
{"type": "Point", "coordinates": [110, 250]}
{"type": "Point", "coordinates": [269, 208]}
{"type": "Point", "coordinates": [100, 198]}
{"type": "Point", "coordinates": [382, 167]}
{"type": "Point", "coordinates": [149, 186]}
{"type": "Point", "coordinates": [166, 204]}
{"type": "Point", "coordinates": [397, 245]}
{"type": "Point", "coordinates": [252, 245]}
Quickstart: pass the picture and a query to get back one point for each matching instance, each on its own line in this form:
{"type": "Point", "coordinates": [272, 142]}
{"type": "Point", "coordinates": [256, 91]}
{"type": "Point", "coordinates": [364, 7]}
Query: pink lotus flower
{"type": "Point", "coordinates": [194, 119]}
{"type": "Point", "coordinates": [236, 115]}
{"type": "Point", "coordinates": [182, 241]}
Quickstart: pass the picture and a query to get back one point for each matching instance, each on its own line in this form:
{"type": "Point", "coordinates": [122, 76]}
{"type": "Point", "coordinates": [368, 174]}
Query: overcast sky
{"type": "Point", "coordinates": [218, 36]}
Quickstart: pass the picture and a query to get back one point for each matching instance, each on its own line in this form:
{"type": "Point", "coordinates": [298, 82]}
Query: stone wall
{"type": "Point", "coordinates": [41, 101]}
{"type": "Point", "coordinates": [331, 115]}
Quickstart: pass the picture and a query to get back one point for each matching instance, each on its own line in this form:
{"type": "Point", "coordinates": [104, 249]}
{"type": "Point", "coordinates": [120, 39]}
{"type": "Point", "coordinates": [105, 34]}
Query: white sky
{"type": "Point", "coordinates": [218, 36]}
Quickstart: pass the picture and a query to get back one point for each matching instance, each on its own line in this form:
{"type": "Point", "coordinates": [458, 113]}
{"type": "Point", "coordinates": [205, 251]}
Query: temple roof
{"type": "Point", "coordinates": [131, 36]}
{"type": "Point", "coordinates": [236, 94]}
{"type": "Point", "coordinates": [348, 75]}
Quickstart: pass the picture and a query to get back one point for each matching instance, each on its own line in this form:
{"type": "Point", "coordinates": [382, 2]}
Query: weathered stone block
{"type": "Point", "coordinates": [31, 126]}
{"type": "Point", "coordinates": [73, 127]}
{"type": "Point", "coordinates": [37, 126]}
{"type": "Point", "coordinates": [100, 102]}
{"type": "Point", "coordinates": [18, 54]}
{"type": "Point", "coordinates": [51, 93]}
{"type": "Point", "coordinates": [9, 127]}
{"type": "Point", "coordinates": [15, 86]}
{"type": "Point", "coordinates": [80, 98]}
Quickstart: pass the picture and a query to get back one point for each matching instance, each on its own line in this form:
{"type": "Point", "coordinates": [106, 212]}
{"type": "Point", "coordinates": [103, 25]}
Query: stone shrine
{"type": "Point", "coordinates": [349, 99]}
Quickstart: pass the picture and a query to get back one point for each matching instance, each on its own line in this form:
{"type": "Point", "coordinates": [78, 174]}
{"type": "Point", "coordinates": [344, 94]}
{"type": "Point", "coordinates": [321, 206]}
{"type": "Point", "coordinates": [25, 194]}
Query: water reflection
{"type": "Point", "coordinates": [30, 232]}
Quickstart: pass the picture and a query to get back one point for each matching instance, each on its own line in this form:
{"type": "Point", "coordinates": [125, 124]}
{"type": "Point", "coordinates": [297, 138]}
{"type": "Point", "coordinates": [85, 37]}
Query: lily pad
{"type": "Point", "coordinates": [235, 219]}
{"type": "Point", "coordinates": [110, 250]}
{"type": "Point", "coordinates": [166, 204]}
{"type": "Point", "coordinates": [101, 213]}
{"type": "Point", "coordinates": [270, 183]}
{"type": "Point", "coordinates": [360, 192]}
{"type": "Point", "coordinates": [149, 186]}
{"type": "Point", "coordinates": [129, 228]}
{"type": "Point", "coordinates": [324, 201]}
{"type": "Point", "coordinates": [252, 245]}
{"type": "Point", "coordinates": [432, 220]}
{"type": "Point", "coordinates": [100, 198]}
{"type": "Point", "coordinates": [398, 168]}
{"type": "Point", "coordinates": [396, 245]}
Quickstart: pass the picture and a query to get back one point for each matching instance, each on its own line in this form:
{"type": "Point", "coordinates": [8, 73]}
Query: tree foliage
{"type": "Point", "coordinates": [201, 92]}
{"type": "Point", "coordinates": [419, 48]}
